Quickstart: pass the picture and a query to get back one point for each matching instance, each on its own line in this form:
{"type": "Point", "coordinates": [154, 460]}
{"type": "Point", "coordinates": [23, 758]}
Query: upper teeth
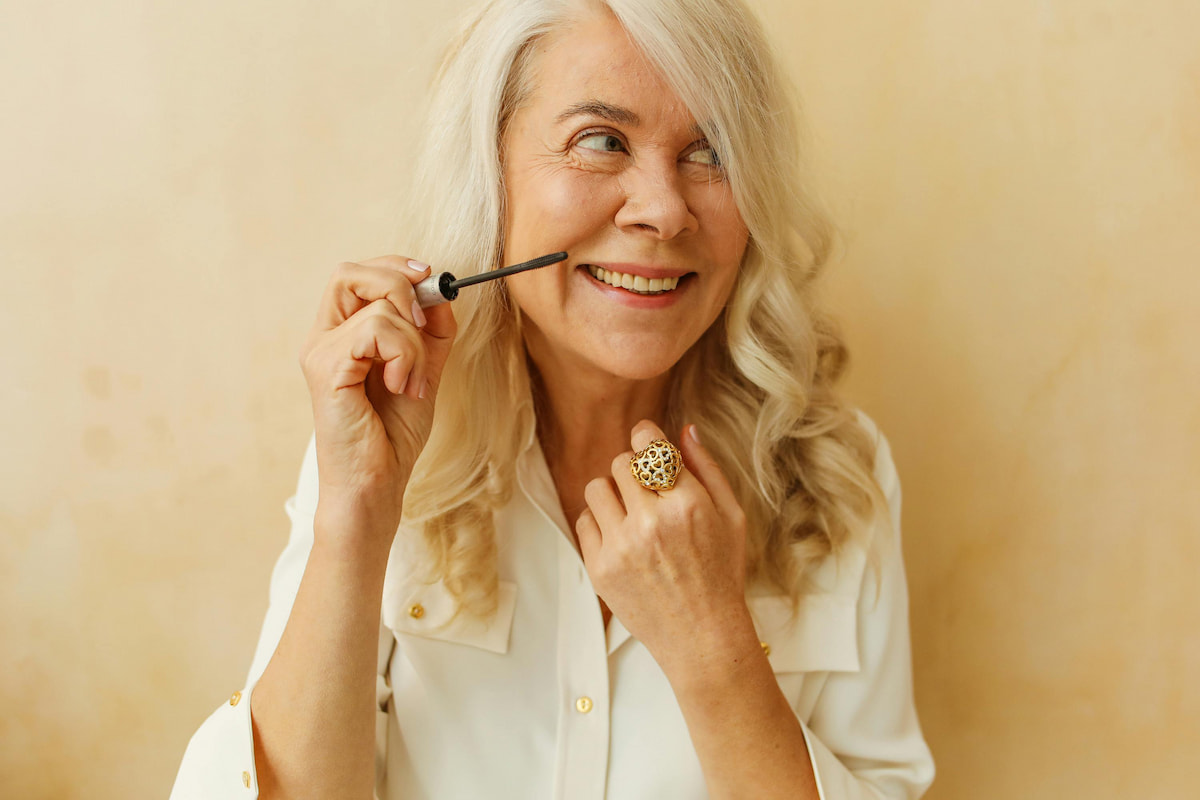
{"type": "Point", "coordinates": [634, 283]}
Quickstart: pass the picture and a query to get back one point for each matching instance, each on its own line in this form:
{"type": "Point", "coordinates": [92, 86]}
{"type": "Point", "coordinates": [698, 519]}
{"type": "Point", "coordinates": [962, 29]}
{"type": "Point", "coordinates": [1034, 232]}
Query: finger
{"type": "Point", "coordinates": [405, 374]}
{"type": "Point", "coordinates": [601, 497]}
{"type": "Point", "coordinates": [354, 286]}
{"type": "Point", "coordinates": [373, 333]}
{"type": "Point", "coordinates": [440, 324]}
{"type": "Point", "coordinates": [643, 434]}
{"type": "Point", "coordinates": [439, 319]}
{"type": "Point", "coordinates": [633, 495]}
{"type": "Point", "coordinates": [396, 374]}
{"type": "Point", "coordinates": [378, 333]}
{"type": "Point", "coordinates": [589, 535]}
{"type": "Point", "coordinates": [706, 470]}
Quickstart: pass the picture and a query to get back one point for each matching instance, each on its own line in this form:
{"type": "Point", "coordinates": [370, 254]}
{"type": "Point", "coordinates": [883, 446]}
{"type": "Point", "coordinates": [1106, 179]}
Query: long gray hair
{"type": "Point", "coordinates": [759, 383]}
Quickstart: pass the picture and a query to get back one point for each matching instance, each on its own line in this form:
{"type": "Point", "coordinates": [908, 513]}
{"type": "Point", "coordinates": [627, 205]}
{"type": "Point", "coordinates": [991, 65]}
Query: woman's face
{"type": "Point", "coordinates": [605, 163]}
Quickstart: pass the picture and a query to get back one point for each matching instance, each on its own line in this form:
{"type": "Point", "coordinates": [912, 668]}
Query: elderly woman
{"type": "Point", "coordinates": [480, 598]}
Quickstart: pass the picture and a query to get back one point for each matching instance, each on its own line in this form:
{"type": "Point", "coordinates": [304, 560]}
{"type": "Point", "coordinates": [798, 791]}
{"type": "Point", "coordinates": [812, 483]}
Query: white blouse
{"type": "Point", "coordinates": [543, 702]}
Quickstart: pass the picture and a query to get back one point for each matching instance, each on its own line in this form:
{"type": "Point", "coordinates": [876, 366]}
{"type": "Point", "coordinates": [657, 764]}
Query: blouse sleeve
{"type": "Point", "coordinates": [863, 736]}
{"type": "Point", "coordinates": [219, 760]}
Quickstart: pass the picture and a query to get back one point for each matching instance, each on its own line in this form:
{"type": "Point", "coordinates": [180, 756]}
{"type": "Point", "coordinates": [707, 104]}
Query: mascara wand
{"type": "Point", "coordinates": [443, 287]}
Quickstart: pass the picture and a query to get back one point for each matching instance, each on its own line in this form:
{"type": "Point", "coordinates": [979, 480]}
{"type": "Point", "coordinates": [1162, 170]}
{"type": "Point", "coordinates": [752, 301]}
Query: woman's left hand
{"type": "Point", "coordinates": [669, 564]}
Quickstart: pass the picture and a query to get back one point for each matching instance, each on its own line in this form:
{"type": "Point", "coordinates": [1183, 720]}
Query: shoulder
{"type": "Point", "coordinates": [844, 571]}
{"type": "Point", "coordinates": [884, 470]}
{"type": "Point", "coordinates": [885, 467]}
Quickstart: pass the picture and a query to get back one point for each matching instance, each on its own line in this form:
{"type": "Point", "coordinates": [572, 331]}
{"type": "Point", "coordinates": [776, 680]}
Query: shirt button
{"type": "Point", "coordinates": [766, 648]}
{"type": "Point", "coordinates": [237, 696]}
{"type": "Point", "coordinates": [416, 611]}
{"type": "Point", "coordinates": [246, 779]}
{"type": "Point", "coordinates": [583, 705]}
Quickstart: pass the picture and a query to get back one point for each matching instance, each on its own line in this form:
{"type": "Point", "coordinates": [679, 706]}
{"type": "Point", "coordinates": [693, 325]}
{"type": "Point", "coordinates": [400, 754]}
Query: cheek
{"type": "Point", "coordinates": [728, 242]}
{"type": "Point", "coordinates": [730, 239]}
{"type": "Point", "coordinates": [533, 292]}
{"type": "Point", "coordinates": [725, 221]}
{"type": "Point", "coordinates": [557, 206]}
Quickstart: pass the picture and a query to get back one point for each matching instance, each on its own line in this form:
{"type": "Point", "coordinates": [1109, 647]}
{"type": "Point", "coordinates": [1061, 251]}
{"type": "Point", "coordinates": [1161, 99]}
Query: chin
{"type": "Point", "coordinates": [637, 367]}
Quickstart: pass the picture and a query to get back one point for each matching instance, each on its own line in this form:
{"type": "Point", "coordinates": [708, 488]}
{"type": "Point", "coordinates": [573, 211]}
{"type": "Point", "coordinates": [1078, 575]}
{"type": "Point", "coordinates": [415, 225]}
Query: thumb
{"type": "Point", "coordinates": [701, 464]}
{"type": "Point", "coordinates": [438, 337]}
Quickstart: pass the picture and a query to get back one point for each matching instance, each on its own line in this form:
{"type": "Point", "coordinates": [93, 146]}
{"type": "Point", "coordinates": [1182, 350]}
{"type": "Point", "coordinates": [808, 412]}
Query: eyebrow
{"type": "Point", "coordinates": [617, 114]}
{"type": "Point", "coordinates": [598, 108]}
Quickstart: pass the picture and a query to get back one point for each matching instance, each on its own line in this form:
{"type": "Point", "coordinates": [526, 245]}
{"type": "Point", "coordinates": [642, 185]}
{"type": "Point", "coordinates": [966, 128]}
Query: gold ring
{"type": "Point", "coordinates": [657, 465]}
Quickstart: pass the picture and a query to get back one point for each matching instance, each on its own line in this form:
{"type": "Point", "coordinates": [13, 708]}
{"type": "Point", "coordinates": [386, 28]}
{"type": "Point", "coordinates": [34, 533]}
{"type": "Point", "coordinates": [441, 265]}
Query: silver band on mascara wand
{"type": "Point", "coordinates": [443, 287]}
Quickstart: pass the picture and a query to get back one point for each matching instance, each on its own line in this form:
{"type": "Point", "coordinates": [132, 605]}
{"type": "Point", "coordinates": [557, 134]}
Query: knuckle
{"type": "Point", "coordinates": [737, 516]}
{"type": "Point", "coordinates": [306, 354]}
{"type": "Point", "coordinates": [599, 571]}
{"type": "Point", "coordinates": [378, 324]}
{"type": "Point", "coordinates": [412, 335]}
{"type": "Point", "coordinates": [310, 365]}
{"type": "Point", "coordinates": [404, 289]}
{"type": "Point", "coordinates": [380, 307]}
{"type": "Point", "coordinates": [646, 522]}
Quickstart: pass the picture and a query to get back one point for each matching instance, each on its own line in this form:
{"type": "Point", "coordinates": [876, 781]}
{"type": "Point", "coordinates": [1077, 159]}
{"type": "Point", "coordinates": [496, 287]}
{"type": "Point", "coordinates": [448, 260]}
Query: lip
{"type": "Point", "coordinates": [632, 300]}
{"type": "Point", "coordinates": [644, 270]}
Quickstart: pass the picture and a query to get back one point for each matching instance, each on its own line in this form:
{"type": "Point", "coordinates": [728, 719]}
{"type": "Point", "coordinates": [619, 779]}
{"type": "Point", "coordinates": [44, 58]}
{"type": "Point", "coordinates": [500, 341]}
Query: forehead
{"type": "Point", "coordinates": [593, 59]}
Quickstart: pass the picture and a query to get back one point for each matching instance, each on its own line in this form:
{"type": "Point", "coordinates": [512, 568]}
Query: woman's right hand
{"type": "Point", "coordinates": [373, 362]}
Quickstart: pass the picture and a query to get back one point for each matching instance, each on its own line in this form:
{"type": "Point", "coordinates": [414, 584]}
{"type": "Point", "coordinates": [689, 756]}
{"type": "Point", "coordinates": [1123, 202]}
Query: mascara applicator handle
{"type": "Point", "coordinates": [435, 290]}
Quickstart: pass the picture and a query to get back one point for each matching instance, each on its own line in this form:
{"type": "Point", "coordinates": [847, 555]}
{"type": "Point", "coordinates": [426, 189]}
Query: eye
{"type": "Point", "coordinates": [706, 155]}
{"type": "Point", "coordinates": [607, 142]}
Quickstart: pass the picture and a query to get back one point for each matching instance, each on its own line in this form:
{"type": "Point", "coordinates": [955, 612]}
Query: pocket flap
{"type": "Point", "coordinates": [821, 637]}
{"type": "Point", "coordinates": [423, 609]}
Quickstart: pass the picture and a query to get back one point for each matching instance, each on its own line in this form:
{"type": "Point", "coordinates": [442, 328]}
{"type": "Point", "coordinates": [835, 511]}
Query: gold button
{"type": "Point", "coordinates": [583, 705]}
{"type": "Point", "coordinates": [416, 611]}
{"type": "Point", "coordinates": [246, 779]}
{"type": "Point", "coordinates": [766, 648]}
{"type": "Point", "coordinates": [237, 696]}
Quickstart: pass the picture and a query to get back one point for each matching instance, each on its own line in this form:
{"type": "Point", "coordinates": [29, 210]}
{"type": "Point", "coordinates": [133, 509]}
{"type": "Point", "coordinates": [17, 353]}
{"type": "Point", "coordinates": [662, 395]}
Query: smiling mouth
{"type": "Point", "coordinates": [636, 284]}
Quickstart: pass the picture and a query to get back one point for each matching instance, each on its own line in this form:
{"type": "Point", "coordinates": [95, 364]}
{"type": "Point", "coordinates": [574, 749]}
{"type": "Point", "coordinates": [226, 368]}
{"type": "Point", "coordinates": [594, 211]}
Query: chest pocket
{"type": "Point", "coordinates": [821, 637]}
{"type": "Point", "coordinates": [425, 610]}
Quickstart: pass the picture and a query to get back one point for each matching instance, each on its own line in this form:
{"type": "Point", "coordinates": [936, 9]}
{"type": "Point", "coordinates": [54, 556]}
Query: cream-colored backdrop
{"type": "Point", "coordinates": [1018, 183]}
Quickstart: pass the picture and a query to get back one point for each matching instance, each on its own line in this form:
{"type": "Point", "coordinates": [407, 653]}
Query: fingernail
{"type": "Point", "coordinates": [417, 266]}
{"type": "Point", "coordinates": [424, 386]}
{"type": "Point", "coordinates": [403, 384]}
{"type": "Point", "coordinates": [418, 315]}
{"type": "Point", "coordinates": [694, 432]}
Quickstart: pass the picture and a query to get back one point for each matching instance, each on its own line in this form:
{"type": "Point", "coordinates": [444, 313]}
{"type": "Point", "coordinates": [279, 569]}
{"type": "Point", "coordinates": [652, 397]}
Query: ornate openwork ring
{"type": "Point", "coordinates": [657, 465]}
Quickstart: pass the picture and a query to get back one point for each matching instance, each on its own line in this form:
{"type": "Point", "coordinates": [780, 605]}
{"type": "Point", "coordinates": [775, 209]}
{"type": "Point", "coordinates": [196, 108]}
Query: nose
{"type": "Point", "coordinates": [655, 201]}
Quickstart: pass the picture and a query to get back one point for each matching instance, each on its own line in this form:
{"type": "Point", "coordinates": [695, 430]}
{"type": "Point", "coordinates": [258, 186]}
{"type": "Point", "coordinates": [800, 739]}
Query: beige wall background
{"type": "Point", "coordinates": [1019, 185]}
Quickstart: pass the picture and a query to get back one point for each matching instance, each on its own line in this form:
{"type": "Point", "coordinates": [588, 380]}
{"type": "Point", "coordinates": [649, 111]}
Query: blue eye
{"type": "Point", "coordinates": [610, 143]}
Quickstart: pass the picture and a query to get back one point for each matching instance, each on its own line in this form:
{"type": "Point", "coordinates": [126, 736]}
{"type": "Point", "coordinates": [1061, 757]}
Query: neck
{"type": "Point", "coordinates": [585, 417]}
{"type": "Point", "coordinates": [581, 412]}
